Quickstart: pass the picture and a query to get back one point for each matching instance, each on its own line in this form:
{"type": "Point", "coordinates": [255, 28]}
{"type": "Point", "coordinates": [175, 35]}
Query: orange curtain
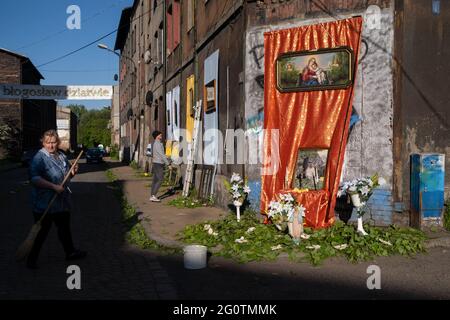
{"type": "Point", "coordinates": [311, 119]}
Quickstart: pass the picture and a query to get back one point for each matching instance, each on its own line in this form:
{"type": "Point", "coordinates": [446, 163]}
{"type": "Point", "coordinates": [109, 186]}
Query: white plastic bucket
{"type": "Point", "coordinates": [195, 256]}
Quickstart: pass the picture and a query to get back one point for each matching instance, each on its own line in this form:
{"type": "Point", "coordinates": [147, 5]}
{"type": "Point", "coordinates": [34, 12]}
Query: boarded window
{"type": "Point", "coordinates": [190, 18]}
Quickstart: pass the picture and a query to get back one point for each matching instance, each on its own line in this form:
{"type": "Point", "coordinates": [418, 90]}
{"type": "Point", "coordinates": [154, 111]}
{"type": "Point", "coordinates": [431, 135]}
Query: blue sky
{"type": "Point", "coordinates": [37, 29]}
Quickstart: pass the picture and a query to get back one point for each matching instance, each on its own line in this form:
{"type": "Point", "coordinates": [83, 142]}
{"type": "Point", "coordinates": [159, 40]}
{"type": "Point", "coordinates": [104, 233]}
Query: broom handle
{"type": "Point", "coordinates": [62, 184]}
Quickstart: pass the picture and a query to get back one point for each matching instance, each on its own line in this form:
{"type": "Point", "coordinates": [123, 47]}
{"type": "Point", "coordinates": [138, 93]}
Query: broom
{"type": "Point", "coordinates": [26, 246]}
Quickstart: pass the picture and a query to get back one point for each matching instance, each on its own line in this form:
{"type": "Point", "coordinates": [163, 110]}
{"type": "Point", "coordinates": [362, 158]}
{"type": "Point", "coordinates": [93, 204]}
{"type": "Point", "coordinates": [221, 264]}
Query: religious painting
{"type": "Point", "coordinates": [310, 169]}
{"type": "Point", "coordinates": [315, 70]}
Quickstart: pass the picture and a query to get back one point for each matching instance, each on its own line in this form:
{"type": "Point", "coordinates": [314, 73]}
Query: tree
{"type": "Point", "coordinates": [78, 109]}
{"type": "Point", "coordinates": [93, 127]}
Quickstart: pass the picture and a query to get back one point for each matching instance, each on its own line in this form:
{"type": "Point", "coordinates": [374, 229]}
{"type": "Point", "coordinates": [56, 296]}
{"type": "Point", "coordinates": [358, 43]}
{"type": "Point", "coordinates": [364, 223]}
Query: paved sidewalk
{"type": "Point", "coordinates": [161, 221]}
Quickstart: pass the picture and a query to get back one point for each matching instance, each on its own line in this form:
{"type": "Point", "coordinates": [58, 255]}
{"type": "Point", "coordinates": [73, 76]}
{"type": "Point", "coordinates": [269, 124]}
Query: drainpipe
{"type": "Point", "coordinates": [165, 61]}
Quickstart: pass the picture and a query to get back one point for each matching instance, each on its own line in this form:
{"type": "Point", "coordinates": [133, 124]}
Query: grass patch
{"type": "Point", "coordinates": [265, 242]}
{"type": "Point", "coordinates": [190, 202]}
{"type": "Point", "coordinates": [134, 165]}
{"type": "Point", "coordinates": [136, 234]}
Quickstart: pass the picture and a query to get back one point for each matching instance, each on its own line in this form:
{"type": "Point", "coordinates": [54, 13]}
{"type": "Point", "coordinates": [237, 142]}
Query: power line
{"type": "Point", "coordinates": [79, 49]}
{"type": "Point", "coordinates": [66, 29]}
{"type": "Point", "coordinates": [95, 41]}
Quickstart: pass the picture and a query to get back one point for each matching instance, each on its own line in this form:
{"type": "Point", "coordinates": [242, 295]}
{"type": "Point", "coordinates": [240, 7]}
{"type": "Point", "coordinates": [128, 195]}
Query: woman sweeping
{"type": "Point", "coordinates": [47, 171]}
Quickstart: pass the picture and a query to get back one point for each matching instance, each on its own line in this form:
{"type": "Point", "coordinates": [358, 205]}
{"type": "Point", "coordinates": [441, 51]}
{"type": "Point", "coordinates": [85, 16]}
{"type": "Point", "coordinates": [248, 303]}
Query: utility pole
{"type": "Point", "coordinates": [105, 47]}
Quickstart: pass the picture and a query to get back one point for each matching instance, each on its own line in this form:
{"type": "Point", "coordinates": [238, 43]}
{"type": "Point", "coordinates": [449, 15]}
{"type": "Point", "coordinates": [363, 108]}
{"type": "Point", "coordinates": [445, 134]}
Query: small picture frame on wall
{"type": "Point", "coordinates": [322, 69]}
{"type": "Point", "coordinates": [310, 169]}
{"type": "Point", "coordinates": [210, 96]}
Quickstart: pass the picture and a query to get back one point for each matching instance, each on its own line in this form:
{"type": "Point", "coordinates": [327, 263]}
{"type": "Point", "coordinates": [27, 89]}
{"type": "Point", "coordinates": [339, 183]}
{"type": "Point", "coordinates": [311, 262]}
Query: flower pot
{"type": "Point", "coordinates": [360, 227]}
{"type": "Point", "coordinates": [356, 200]}
{"type": "Point", "coordinates": [238, 205]}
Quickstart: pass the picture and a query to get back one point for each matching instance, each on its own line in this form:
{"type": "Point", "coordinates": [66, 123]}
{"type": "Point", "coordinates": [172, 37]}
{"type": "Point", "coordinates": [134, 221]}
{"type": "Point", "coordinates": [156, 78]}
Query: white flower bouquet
{"type": "Point", "coordinates": [280, 212]}
{"type": "Point", "coordinates": [238, 189]}
{"type": "Point", "coordinates": [360, 191]}
{"type": "Point", "coordinates": [363, 187]}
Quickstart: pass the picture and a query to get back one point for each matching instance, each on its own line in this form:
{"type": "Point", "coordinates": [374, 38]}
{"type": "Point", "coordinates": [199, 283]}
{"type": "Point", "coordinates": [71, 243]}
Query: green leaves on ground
{"type": "Point", "coordinates": [190, 202]}
{"type": "Point", "coordinates": [265, 242]}
{"type": "Point", "coordinates": [135, 234]}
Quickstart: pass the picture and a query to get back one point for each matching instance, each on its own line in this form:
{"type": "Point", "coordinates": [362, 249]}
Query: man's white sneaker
{"type": "Point", "coordinates": [154, 199]}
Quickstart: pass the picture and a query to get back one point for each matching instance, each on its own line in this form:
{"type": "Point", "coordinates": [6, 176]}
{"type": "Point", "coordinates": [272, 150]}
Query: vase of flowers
{"type": "Point", "coordinates": [360, 191]}
{"type": "Point", "coordinates": [356, 200]}
{"type": "Point", "coordinates": [239, 191]}
{"type": "Point", "coordinates": [287, 214]}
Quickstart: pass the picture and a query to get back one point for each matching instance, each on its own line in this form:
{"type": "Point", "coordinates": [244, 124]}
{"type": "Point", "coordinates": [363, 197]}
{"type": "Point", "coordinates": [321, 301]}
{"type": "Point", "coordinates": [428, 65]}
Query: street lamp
{"type": "Point", "coordinates": [105, 47]}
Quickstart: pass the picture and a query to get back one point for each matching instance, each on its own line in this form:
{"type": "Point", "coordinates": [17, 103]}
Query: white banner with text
{"type": "Point", "coordinates": [37, 92]}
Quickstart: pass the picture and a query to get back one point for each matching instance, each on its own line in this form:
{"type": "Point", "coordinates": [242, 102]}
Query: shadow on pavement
{"type": "Point", "coordinates": [115, 270]}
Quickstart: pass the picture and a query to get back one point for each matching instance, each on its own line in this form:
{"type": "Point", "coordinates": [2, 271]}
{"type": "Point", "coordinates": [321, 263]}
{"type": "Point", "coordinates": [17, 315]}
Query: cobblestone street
{"type": "Point", "coordinates": [112, 269]}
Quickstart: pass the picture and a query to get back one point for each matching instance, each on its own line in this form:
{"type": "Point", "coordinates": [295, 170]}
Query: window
{"type": "Point", "coordinates": [134, 35]}
{"type": "Point", "coordinates": [155, 52]}
{"type": "Point", "coordinates": [141, 18]}
{"type": "Point", "coordinates": [160, 44]}
{"type": "Point", "coordinates": [142, 71]}
{"type": "Point", "coordinates": [155, 116]}
{"type": "Point", "coordinates": [169, 19]}
{"type": "Point", "coordinates": [173, 26]}
{"type": "Point", "coordinates": [191, 12]}
{"type": "Point", "coordinates": [175, 112]}
{"type": "Point", "coordinates": [168, 117]}
{"type": "Point", "coordinates": [155, 4]}
{"type": "Point", "coordinates": [176, 23]}
{"type": "Point", "coordinates": [133, 84]}
{"type": "Point", "coordinates": [149, 11]}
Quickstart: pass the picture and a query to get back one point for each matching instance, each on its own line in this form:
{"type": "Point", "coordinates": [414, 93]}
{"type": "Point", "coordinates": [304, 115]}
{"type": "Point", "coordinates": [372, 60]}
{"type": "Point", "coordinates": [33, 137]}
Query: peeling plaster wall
{"type": "Point", "coordinates": [425, 96]}
{"type": "Point", "coordinates": [369, 148]}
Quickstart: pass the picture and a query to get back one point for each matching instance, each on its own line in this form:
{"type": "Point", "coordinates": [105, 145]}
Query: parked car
{"type": "Point", "coordinates": [94, 155]}
{"type": "Point", "coordinates": [28, 155]}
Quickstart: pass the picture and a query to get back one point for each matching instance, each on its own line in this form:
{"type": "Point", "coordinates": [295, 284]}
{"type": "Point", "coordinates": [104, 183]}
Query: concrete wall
{"type": "Point", "coordinates": [424, 70]}
{"type": "Point", "coordinates": [369, 149]}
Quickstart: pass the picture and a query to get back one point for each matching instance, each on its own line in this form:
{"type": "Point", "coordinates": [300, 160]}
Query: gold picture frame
{"type": "Point", "coordinates": [323, 69]}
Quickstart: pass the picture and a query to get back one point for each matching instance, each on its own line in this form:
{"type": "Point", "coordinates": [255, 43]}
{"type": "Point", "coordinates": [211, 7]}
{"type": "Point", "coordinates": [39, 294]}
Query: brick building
{"type": "Point", "coordinates": [115, 117]}
{"type": "Point", "coordinates": [26, 119]}
{"type": "Point", "coordinates": [216, 45]}
{"type": "Point", "coordinates": [67, 125]}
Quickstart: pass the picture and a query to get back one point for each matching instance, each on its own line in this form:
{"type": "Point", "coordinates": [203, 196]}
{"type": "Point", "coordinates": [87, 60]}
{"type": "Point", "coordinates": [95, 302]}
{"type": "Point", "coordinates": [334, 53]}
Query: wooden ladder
{"type": "Point", "coordinates": [192, 150]}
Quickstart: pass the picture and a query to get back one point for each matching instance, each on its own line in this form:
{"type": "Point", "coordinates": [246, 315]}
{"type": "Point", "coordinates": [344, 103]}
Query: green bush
{"type": "Point", "coordinates": [447, 215]}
